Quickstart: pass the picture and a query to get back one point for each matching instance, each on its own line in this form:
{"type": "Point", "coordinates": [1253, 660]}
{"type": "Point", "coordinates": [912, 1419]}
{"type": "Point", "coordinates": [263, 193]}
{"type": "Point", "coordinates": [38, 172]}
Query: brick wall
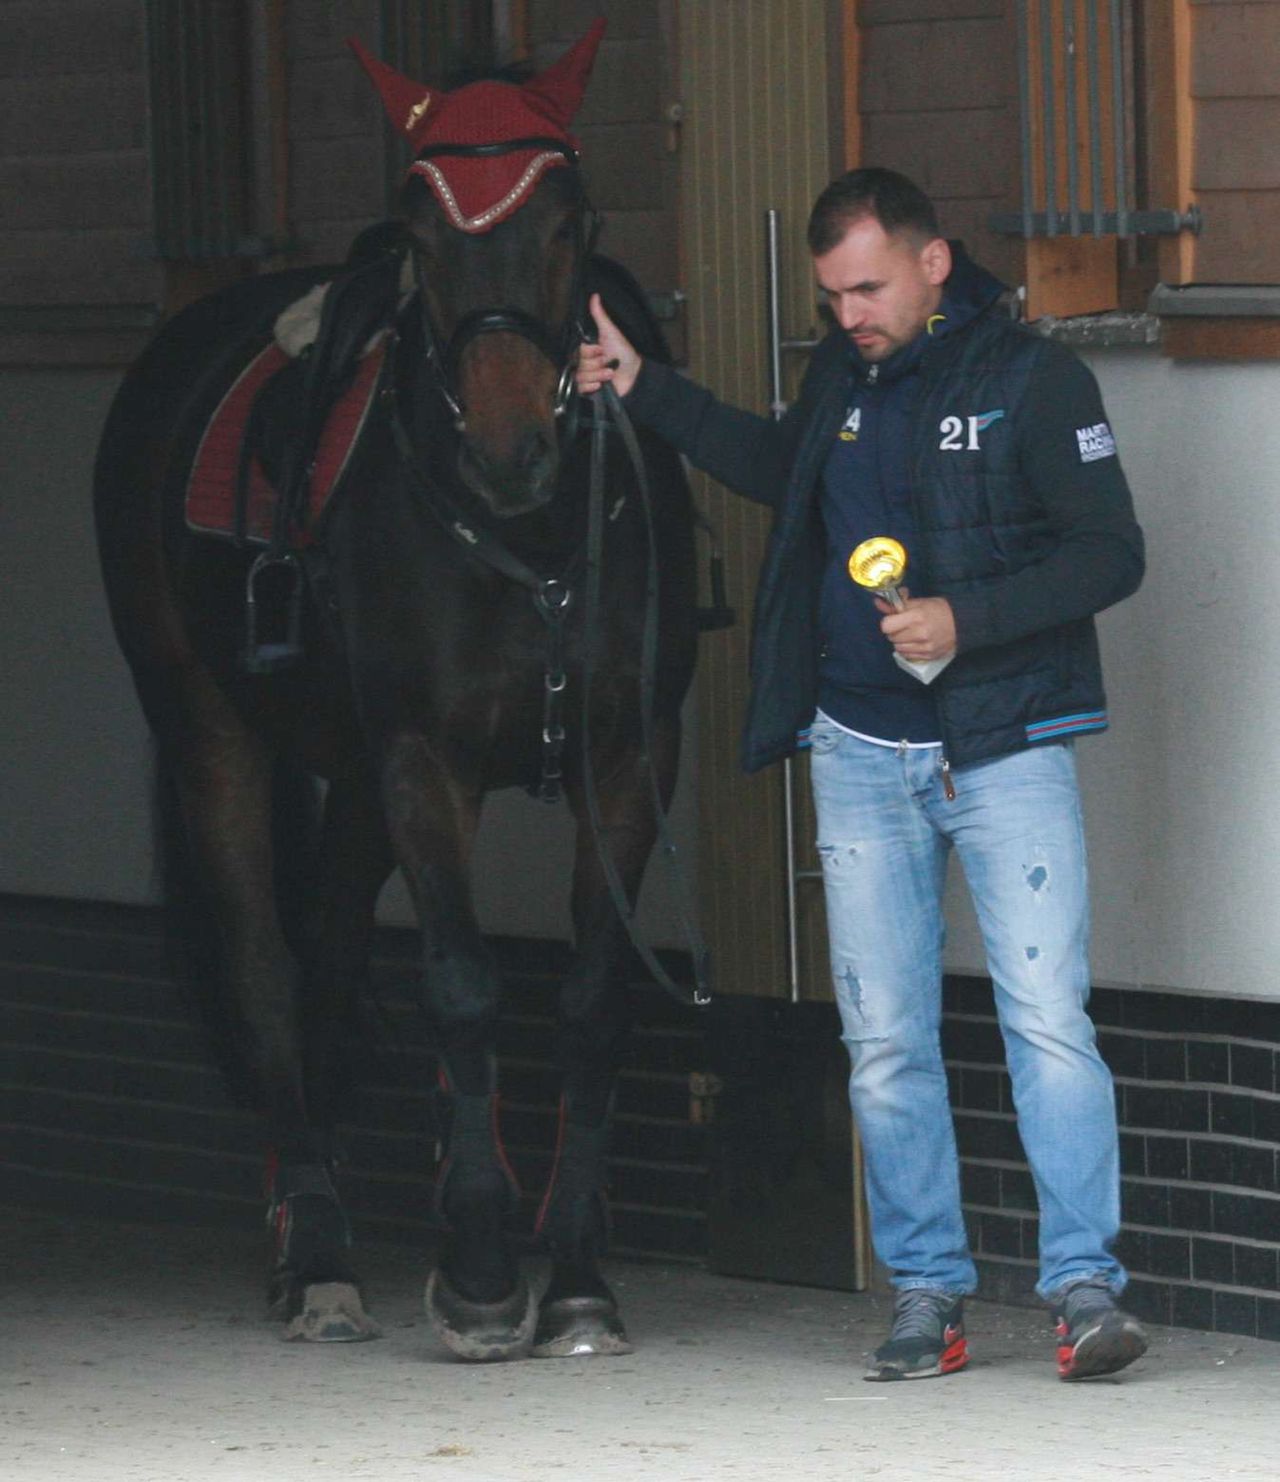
{"type": "Point", "coordinates": [110, 1102]}
{"type": "Point", "coordinates": [1198, 1096]}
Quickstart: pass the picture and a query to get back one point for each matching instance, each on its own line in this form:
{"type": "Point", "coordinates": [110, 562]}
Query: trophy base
{"type": "Point", "coordinates": [925, 673]}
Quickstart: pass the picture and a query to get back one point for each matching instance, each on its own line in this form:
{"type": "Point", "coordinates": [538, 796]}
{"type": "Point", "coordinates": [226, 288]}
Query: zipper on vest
{"type": "Point", "coordinates": [948, 786]}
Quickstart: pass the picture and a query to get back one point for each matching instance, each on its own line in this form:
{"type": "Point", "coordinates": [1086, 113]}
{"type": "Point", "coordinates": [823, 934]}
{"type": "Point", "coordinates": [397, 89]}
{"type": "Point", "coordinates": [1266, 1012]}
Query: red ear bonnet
{"type": "Point", "coordinates": [477, 192]}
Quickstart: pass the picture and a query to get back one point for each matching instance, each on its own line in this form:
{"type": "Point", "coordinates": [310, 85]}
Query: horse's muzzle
{"type": "Point", "coordinates": [517, 481]}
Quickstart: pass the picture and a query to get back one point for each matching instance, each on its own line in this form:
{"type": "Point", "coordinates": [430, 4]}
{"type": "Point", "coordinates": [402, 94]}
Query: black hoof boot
{"type": "Point", "coordinates": [483, 1332]}
{"type": "Point", "coordinates": [477, 1298]}
{"type": "Point", "coordinates": [326, 1312]}
{"type": "Point", "coordinates": [580, 1327]}
{"type": "Point", "coordinates": [578, 1315]}
{"type": "Point", "coordinates": [313, 1290]}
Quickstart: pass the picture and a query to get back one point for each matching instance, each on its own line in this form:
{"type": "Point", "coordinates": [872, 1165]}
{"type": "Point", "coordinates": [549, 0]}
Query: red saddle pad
{"type": "Point", "coordinates": [211, 487]}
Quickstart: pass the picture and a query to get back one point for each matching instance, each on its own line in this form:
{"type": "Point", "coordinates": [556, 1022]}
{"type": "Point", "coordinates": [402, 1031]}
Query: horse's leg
{"type": "Point", "coordinates": [477, 1297]}
{"type": "Point", "coordinates": [578, 1312]}
{"type": "Point", "coordinates": [222, 775]}
{"type": "Point", "coordinates": [337, 931]}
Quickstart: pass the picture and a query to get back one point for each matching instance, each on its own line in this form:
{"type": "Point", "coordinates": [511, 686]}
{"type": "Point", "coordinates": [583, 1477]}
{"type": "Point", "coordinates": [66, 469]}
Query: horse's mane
{"type": "Point", "coordinates": [628, 307]}
{"type": "Point", "coordinates": [625, 299]}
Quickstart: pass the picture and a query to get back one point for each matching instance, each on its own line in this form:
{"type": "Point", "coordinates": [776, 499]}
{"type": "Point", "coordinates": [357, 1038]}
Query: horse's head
{"type": "Point", "coordinates": [503, 311]}
{"type": "Point", "coordinates": [501, 231]}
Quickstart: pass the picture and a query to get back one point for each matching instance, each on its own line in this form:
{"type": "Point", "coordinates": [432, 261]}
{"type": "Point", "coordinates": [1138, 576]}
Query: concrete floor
{"type": "Point", "coordinates": [131, 1352]}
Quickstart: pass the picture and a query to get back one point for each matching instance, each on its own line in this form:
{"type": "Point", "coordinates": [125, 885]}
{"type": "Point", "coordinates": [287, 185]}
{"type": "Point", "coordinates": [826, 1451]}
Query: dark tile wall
{"type": "Point", "coordinates": [1198, 1097]}
{"type": "Point", "coordinates": [110, 1102]}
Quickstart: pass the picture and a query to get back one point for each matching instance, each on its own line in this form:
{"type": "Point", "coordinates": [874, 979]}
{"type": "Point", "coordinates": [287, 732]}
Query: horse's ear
{"type": "Point", "coordinates": [407, 102]}
{"type": "Point", "coordinates": [557, 93]}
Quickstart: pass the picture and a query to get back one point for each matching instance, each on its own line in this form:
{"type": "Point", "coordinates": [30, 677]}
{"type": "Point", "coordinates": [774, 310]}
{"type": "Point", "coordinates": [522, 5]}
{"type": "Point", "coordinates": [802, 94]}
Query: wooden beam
{"type": "Point", "coordinates": [844, 49]}
{"type": "Point", "coordinates": [1071, 275]}
{"type": "Point", "coordinates": [1234, 338]}
{"type": "Point", "coordinates": [1171, 128]}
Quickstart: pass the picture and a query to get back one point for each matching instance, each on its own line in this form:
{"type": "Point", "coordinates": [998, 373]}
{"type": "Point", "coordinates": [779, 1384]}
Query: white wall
{"type": "Point", "coordinates": [74, 815]}
{"type": "Point", "coordinates": [1182, 795]}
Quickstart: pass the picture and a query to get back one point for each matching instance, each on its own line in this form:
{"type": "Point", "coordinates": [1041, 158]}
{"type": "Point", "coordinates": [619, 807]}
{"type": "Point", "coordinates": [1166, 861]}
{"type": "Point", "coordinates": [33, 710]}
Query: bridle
{"type": "Point", "coordinates": [444, 356]}
{"type": "Point", "coordinates": [553, 596]}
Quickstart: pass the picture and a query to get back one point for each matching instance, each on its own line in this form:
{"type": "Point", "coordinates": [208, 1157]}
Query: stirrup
{"type": "Point", "coordinates": [271, 657]}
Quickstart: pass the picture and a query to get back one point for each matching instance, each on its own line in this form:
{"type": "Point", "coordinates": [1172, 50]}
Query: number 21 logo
{"type": "Point", "coordinates": [953, 430]}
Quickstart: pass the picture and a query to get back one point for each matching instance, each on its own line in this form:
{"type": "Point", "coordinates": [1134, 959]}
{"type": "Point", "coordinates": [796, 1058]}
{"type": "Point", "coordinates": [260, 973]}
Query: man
{"type": "Point", "coordinates": [930, 417]}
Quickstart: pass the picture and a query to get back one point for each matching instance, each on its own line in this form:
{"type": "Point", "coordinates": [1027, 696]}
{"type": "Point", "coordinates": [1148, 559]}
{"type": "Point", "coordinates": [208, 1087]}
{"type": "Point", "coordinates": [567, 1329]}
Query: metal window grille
{"type": "Point", "coordinates": [431, 43]}
{"type": "Point", "coordinates": [1076, 70]}
{"type": "Point", "coordinates": [201, 143]}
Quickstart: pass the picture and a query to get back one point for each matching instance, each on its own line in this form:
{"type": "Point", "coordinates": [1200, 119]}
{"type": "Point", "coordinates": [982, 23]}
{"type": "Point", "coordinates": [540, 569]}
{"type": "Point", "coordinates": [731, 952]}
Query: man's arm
{"type": "Point", "coordinates": [750, 454]}
{"type": "Point", "coordinates": [1067, 455]}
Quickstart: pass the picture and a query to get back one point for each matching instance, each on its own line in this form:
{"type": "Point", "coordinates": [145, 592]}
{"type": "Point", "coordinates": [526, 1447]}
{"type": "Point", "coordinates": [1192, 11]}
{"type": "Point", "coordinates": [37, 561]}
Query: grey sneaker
{"type": "Point", "coordinates": [927, 1337]}
{"type": "Point", "coordinates": [1094, 1335]}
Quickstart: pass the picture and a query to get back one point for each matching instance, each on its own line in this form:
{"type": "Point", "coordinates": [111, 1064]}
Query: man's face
{"type": "Point", "coordinates": [881, 288]}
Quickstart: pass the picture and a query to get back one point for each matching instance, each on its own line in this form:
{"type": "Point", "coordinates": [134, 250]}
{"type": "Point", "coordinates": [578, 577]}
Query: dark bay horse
{"type": "Point", "coordinates": [447, 646]}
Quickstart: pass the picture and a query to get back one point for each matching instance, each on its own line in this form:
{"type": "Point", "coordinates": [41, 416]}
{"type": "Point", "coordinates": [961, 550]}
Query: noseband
{"type": "Point", "coordinates": [445, 357]}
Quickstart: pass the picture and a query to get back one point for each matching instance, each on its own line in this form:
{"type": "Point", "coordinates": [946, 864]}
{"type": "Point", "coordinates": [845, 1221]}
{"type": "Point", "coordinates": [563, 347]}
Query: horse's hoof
{"type": "Point", "coordinates": [580, 1326]}
{"type": "Point", "coordinates": [483, 1332]}
{"type": "Point", "coordinates": [332, 1312]}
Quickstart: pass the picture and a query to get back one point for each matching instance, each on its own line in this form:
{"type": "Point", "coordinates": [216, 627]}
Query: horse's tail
{"type": "Point", "coordinates": [193, 939]}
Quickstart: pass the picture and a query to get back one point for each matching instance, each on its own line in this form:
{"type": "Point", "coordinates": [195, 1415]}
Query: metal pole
{"type": "Point", "coordinates": [777, 407]}
{"type": "Point", "coordinates": [1095, 116]}
{"type": "Point", "coordinates": [1024, 115]}
{"type": "Point", "coordinates": [1069, 89]}
{"type": "Point", "coordinates": [1049, 142]}
{"type": "Point", "coordinates": [1118, 119]}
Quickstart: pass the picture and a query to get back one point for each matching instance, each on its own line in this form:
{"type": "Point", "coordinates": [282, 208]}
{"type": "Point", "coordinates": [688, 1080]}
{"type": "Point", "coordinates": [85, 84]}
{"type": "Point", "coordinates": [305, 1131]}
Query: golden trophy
{"type": "Point", "coordinates": [879, 565]}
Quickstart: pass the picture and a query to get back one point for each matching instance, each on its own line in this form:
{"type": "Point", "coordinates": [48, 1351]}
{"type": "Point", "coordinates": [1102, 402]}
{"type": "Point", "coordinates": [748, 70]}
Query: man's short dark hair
{"type": "Point", "coordinates": [898, 204]}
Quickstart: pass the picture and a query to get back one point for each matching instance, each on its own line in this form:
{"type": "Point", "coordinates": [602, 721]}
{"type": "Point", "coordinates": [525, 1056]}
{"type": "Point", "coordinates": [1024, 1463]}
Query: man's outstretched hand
{"type": "Point", "coordinates": [612, 358]}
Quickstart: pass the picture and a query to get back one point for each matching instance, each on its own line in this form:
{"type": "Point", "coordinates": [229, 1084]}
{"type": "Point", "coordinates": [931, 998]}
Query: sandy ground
{"type": "Point", "coordinates": [130, 1352]}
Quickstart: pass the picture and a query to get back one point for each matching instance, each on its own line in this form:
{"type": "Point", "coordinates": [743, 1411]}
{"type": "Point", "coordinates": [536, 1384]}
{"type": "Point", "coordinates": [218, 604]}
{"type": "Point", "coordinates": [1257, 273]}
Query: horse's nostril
{"type": "Point", "coordinates": [535, 454]}
{"type": "Point", "coordinates": [518, 481]}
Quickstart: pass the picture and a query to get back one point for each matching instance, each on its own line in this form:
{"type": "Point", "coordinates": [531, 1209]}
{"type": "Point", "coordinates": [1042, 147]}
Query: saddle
{"type": "Point", "coordinates": [277, 444]}
{"type": "Point", "coordinates": [272, 454]}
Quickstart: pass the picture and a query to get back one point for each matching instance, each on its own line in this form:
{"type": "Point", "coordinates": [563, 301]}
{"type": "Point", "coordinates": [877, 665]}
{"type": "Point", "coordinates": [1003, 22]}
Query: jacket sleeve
{"type": "Point", "coordinates": [1067, 455]}
{"type": "Point", "coordinates": [751, 454]}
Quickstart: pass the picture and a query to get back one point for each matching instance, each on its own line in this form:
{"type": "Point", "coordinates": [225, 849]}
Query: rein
{"type": "Point", "coordinates": [606, 403]}
{"type": "Point", "coordinates": [552, 599]}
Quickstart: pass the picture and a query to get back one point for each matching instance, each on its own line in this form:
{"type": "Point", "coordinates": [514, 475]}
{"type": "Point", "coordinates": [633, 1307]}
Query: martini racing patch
{"type": "Point", "coordinates": [1095, 442]}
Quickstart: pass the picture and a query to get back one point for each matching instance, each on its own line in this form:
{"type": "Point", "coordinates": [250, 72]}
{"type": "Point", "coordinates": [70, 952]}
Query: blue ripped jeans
{"type": "Point", "coordinates": [885, 830]}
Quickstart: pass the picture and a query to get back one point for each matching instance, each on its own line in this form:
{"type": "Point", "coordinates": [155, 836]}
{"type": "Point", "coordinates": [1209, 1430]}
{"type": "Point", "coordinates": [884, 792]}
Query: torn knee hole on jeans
{"type": "Point", "coordinates": [851, 1000]}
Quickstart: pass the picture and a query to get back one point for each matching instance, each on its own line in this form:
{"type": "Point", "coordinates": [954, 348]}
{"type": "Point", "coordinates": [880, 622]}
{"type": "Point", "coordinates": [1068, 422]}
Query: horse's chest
{"type": "Point", "coordinates": [489, 680]}
{"type": "Point", "coordinates": [527, 664]}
